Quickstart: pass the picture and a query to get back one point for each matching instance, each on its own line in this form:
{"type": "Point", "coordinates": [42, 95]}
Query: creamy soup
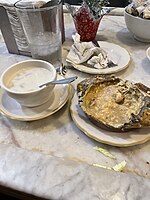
{"type": "Point", "coordinates": [29, 79]}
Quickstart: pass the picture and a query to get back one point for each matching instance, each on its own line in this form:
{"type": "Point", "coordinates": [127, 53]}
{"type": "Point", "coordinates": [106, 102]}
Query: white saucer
{"type": "Point", "coordinates": [134, 137]}
{"type": "Point", "coordinates": [116, 53]}
{"type": "Point", "coordinates": [12, 109]}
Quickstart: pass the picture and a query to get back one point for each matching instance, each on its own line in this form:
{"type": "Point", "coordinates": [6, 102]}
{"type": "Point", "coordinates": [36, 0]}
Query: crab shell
{"type": "Point", "coordinates": [114, 104]}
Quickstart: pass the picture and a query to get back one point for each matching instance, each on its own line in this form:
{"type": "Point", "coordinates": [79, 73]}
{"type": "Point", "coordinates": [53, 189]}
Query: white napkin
{"type": "Point", "coordinates": [80, 52]}
{"type": "Point", "coordinates": [99, 62]}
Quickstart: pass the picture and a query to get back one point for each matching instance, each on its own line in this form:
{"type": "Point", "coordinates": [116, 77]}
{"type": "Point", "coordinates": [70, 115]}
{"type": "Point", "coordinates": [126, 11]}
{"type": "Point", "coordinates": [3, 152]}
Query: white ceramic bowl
{"type": "Point", "coordinates": [35, 96]}
{"type": "Point", "coordinates": [148, 53]}
{"type": "Point", "coordinates": [139, 27]}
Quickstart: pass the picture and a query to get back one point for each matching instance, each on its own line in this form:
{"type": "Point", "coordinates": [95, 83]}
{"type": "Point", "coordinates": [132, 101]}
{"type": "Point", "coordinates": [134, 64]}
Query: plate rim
{"type": "Point", "coordinates": [102, 71]}
{"type": "Point", "coordinates": [38, 117]}
{"type": "Point", "coordinates": [98, 139]}
{"type": "Point", "coordinates": [148, 53]}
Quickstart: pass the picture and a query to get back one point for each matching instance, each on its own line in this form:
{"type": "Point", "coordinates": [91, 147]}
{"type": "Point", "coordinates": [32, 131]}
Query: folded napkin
{"type": "Point", "coordinates": [82, 52]}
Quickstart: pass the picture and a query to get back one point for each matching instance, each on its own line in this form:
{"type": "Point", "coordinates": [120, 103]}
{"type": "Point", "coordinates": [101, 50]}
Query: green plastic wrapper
{"type": "Point", "coordinates": [102, 166]}
{"type": "Point", "coordinates": [105, 152]}
{"type": "Point", "coordinates": [118, 167]}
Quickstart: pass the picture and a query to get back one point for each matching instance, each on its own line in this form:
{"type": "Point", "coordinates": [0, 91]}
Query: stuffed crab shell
{"type": "Point", "coordinates": [113, 103]}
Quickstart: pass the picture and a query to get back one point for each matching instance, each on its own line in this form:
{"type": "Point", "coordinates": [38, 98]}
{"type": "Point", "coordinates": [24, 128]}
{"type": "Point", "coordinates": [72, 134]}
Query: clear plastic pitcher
{"type": "Point", "coordinates": [41, 24]}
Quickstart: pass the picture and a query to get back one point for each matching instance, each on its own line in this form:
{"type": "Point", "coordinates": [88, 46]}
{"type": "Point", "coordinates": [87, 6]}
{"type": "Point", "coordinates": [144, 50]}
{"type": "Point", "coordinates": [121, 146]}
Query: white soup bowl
{"type": "Point", "coordinates": [35, 96]}
{"type": "Point", "coordinates": [139, 27]}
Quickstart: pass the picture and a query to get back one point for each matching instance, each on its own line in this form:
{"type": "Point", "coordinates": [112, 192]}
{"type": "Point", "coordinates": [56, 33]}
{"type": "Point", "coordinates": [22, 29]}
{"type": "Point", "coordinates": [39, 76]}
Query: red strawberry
{"type": "Point", "coordinates": [86, 25]}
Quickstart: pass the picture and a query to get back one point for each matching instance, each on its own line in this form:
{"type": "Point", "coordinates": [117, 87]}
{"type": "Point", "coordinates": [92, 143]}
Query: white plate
{"type": "Point", "coordinates": [12, 109]}
{"type": "Point", "coordinates": [117, 54]}
{"type": "Point", "coordinates": [134, 137]}
{"type": "Point", "coordinates": [148, 53]}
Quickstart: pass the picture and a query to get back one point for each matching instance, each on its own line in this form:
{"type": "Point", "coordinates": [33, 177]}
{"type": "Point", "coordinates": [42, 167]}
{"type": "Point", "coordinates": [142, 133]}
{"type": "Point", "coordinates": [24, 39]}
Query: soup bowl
{"type": "Point", "coordinates": [138, 27]}
{"type": "Point", "coordinates": [21, 82]}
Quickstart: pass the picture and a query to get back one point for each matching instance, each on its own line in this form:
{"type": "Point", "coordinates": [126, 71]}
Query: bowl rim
{"type": "Point", "coordinates": [2, 85]}
{"type": "Point", "coordinates": [133, 16]}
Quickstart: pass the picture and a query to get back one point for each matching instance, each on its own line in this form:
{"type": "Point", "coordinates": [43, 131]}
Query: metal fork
{"type": "Point", "coordinates": [61, 70]}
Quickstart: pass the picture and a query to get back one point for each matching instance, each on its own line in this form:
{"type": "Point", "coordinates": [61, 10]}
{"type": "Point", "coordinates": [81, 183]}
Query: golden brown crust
{"type": "Point", "coordinates": [114, 103]}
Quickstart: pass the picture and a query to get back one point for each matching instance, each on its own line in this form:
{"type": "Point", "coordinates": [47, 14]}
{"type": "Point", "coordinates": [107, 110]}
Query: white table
{"type": "Point", "coordinates": [51, 158]}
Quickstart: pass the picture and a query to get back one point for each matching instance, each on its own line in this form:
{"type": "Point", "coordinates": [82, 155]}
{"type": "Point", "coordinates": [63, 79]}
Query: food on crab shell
{"type": "Point", "coordinates": [114, 104]}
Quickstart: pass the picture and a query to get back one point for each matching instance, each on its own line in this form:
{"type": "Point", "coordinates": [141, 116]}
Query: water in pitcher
{"type": "Point", "coordinates": [47, 46]}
